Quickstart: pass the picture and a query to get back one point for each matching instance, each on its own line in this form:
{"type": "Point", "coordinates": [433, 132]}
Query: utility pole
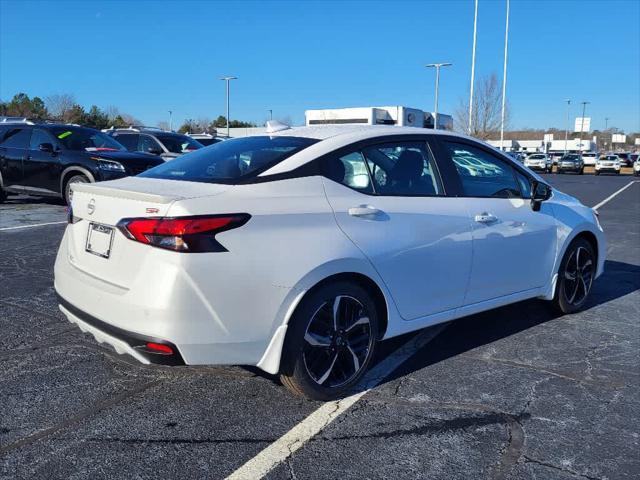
{"type": "Point", "coordinates": [584, 108]}
{"type": "Point", "coordinates": [473, 67]}
{"type": "Point", "coordinates": [606, 127]}
{"type": "Point", "coordinates": [170, 121]}
{"type": "Point", "coordinates": [228, 80]}
{"type": "Point", "coordinates": [566, 130]}
{"type": "Point", "coordinates": [504, 78]}
{"type": "Point", "coordinates": [437, 67]}
{"type": "Point", "coordinates": [270, 114]}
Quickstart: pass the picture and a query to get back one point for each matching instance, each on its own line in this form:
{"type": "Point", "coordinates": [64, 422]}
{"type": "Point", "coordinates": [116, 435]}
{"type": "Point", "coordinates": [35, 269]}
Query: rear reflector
{"type": "Point", "coordinates": [160, 348]}
{"type": "Point", "coordinates": [182, 234]}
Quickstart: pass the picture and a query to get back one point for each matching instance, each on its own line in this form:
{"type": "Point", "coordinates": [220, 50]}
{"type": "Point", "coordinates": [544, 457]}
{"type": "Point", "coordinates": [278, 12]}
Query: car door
{"type": "Point", "coordinates": [514, 247]}
{"type": "Point", "coordinates": [13, 151]}
{"type": "Point", "coordinates": [389, 199]}
{"type": "Point", "coordinates": [42, 169]}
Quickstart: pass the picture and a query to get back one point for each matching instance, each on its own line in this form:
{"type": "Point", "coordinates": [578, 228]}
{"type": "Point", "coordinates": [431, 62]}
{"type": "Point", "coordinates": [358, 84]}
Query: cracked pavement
{"type": "Point", "coordinates": [513, 393]}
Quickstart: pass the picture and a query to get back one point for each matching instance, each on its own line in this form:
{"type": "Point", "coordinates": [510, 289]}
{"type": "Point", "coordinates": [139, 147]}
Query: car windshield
{"type": "Point", "coordinates": [536, 157]}
{"type": "Point", "coordinates": [230, 161]}
{"type": "Point", "coordinates": [571, 157]}
{"type": "Point", "coordinates": [176, 143]}
{"type": "Point", "coordinates": [74, 138]}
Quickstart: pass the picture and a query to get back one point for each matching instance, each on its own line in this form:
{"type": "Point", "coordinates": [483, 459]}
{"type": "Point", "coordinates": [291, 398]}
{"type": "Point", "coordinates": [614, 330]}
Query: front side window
{"type": "Point", "coordinates": [483, 174]}
{"type": "Point", "coordinates": [232, 160]}
{"type": "Point", "coordinates": [351, 170]}
{"type": "Point", "coordinates": [74, 138]}
{"type": "Point", "coordinates": [16, 138]}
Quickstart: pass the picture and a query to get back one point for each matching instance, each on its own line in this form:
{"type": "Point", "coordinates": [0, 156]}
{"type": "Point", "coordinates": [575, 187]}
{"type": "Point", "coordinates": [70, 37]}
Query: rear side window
{"type": "Point", "coordinates": [483, 174]}
{"type": "Point", "coordinates": [129, 140]}
{"type": "Point", "coordinates": [17, 138]}
{"type": "Point", "coordinates": [230, 161]}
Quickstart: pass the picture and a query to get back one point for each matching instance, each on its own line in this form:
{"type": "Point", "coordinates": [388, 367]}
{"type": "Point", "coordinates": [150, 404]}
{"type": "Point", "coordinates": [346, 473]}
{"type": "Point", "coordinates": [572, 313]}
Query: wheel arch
{"type": "Point", "coordinates": [367, 279]}
{"type": "Point", "coordinates": [69, 171]}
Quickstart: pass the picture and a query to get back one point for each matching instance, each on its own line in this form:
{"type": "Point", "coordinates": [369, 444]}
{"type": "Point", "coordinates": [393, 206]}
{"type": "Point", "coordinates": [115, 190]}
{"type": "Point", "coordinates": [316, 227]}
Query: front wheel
{"type": "Point", "coordinates": [68, 192]}
{"type": "Point", "coordinates": [575, 276]}
{"type": "Point", "coordinates": [330, 341]}
{"type": "Point", "coordinates": [581, 172]}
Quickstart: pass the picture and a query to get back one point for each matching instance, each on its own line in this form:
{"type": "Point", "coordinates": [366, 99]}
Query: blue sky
{"type": "Point", "coordinates": [149, 57]}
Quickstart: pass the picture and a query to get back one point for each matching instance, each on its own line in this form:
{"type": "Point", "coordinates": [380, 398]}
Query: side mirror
{"type": "Point", "coordinates": [46, 147]}
{"type": "Point", "coordinates": [539, 193]}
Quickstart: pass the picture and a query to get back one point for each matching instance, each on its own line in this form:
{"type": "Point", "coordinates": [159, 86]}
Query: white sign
{"type": "Point", "coordinates": [637, 142]}
{"type": "Point", "coordinates": [548, 137]}
{"type": "Point", "coordinates": [583, 124]}
{"type": "Point", "coordinates": [618, 138]}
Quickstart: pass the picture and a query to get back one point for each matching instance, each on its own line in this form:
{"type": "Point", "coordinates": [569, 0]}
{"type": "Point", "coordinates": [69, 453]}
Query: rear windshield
{"type": "Point", "coordinates": [230, 161]}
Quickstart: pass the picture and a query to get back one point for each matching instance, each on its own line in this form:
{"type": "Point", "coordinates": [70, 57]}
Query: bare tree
{"type": "Point", "coordinates": [487, 109]}
{"type": "Point", "coordinates": [60, 105]}
{"type": "Point", "coordinates": [164, 125]}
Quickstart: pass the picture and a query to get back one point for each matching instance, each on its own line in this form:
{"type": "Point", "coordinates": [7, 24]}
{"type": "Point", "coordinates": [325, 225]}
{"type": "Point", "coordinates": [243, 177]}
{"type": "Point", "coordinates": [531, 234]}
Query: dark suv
{"type": "Point", "coordinates": [156, 141]}
{"type": "Point", "coordinates": [45, 159]}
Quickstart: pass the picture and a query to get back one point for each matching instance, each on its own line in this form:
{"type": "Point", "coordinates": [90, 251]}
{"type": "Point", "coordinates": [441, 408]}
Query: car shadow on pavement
{"type": "Point", "coordinates": [619, 279]}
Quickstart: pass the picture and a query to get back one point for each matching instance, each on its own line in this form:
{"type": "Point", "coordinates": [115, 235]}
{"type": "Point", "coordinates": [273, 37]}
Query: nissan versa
{"type": "Point", "coordinates": [300, 250]}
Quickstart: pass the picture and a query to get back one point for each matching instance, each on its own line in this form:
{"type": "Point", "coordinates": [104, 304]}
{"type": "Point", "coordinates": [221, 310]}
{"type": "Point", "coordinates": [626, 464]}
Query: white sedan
{"type": "Point", "coordinates": [608, 163]}
{"type": "Point", "coordinates": [300, 250]}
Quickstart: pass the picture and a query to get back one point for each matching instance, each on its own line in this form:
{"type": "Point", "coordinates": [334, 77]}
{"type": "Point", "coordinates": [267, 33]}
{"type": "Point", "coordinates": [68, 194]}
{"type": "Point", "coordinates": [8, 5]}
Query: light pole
{"type": "Point", "coordinates": [170, 121]}
{"type": "Point", "coordinates": [606, 127]}
{"type": "Point", "coordinates": [437, 67]}
{"type": "Point", "coordinates": [584, 108]}
{"type": "Point", "coordinates": [473, 66]}
{"type": "Point", "coordinates": [227, 81]}
{"type": "Point", "coordinates": [504, 78]}
{"type": "Point", "coordinates": [270, 114]}
{"type": "Point", "coordinates": [566, 130]}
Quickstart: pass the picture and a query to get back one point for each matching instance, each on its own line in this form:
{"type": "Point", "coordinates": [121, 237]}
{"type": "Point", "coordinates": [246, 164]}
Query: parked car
{"type": "Point", "coordinates": [589, 158]}
{"type": "Point", "coordinates": [205, 139]}
{"type": "Point", "coordinates": [572, 162]}
{"type": "Point", "coordinates": [298, 251]}
{"type": "Point", "coordinates": [539, 161]}
{"type": "Point", "coordinates": [625, 159]}
{"type": "Point", "coordinates": [556, 156]}
{"type": "Point", "coordinates": [46, 159]}
{"type": "Point", "coordinates": [156, 141]}
{"type": "Point", "coordinates": [608, 163]}
{"type": "Point", "coordinates": [636, 167]}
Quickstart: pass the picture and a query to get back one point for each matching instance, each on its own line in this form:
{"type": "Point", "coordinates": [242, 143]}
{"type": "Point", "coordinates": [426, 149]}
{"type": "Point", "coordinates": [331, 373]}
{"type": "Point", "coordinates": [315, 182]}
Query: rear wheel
{"type": "Point", "coordinates": [330, 341]}
{"type": "Point", "coordinates": [575, 276]}
{"type": "Point", "coordinates": [68, 193]}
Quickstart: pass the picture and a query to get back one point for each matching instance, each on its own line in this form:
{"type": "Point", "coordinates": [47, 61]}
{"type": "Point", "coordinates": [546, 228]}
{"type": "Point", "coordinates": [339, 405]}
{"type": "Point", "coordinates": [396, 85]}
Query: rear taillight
{"type": "Point", "coordinates": [182, 234]}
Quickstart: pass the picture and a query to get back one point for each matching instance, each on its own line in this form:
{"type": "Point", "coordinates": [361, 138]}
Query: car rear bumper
{"type": "Point", "coordinates": [121, 340]}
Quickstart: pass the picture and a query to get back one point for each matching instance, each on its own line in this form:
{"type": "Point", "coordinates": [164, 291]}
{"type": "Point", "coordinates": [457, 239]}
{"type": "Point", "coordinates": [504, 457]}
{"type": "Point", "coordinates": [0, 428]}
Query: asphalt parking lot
{"type": "Point", "coordinates": [514, 393]}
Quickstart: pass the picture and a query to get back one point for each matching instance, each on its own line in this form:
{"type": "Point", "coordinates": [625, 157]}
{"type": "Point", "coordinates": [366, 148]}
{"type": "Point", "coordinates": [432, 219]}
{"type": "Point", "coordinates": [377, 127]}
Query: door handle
{"type": "Point", "coordinates": [485, 217]}
{"type": "Point", "coordinates": [363, 211]}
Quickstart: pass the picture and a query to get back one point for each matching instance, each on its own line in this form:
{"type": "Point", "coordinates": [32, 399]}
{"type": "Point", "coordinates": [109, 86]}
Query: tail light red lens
{"type": "Point", "coordinates": [182, 234]}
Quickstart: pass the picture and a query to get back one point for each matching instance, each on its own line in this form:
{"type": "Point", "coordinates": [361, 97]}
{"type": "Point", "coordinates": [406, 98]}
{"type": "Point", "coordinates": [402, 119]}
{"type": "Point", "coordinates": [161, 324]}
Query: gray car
{"type": "Point", "coordinates": [572, 162]}
{"type": "Point", "coordinates": [167, 145]}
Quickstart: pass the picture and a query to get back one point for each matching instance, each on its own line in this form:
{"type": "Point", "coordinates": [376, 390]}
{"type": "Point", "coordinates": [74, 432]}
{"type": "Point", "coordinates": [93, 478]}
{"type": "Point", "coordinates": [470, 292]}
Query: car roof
{"type": "Point", "coordinates": [333, 137]}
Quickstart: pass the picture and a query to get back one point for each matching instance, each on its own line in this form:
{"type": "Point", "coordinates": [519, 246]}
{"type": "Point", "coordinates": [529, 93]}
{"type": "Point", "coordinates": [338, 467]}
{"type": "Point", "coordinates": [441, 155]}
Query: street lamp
{"type": "Point", "coordinates": [584, 108]}
{"type": "Point", "coordinates": [473, 66]}
{"type": "Point", "coordinates": [270, 114]}
{"type": "Point", "coordinates": [437, 67]}
{"type": "Point", "coordinates": [170, 121]}
{"type": "Point", "coordinates": [566, 130]}
{"type": "Point", "coordinates": [504, 78]}
{"type": "Point", "coordinates": [606, 127]}
{"type": "Point", "coordinates": [227, 81]}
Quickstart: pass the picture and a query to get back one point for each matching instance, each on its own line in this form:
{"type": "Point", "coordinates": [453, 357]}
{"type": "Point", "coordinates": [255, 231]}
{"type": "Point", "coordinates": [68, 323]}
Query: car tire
{"type": "Point", "coordinates": [67, 186]}
{"type": "Point", "coordinates": [596, 172]}
{"type": "Point", "coordinates": [3, 195]}
{"type": "Point", "coordinates": [581, 172]}
{"type": "Point", "coordinates": [319, 360]}
{"type": "Point", "coordinates": [575, 276]}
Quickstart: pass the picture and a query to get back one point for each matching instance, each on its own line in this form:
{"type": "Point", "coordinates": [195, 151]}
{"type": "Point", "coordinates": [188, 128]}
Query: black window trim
{"type": "Point", "coordinates": [490, 151]}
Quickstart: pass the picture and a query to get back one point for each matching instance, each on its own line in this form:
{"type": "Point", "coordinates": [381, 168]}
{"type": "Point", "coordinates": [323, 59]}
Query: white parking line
{"type": "Point", "coordinates": [30, 226]}
{"type": "Point", "coordinates": [614, 194]}
{"type": "Point", "coordinates": [295, 438]}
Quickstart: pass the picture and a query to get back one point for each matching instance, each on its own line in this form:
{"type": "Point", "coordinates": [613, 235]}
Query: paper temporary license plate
{"type": "Point", "coordinates": [99, 240]}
